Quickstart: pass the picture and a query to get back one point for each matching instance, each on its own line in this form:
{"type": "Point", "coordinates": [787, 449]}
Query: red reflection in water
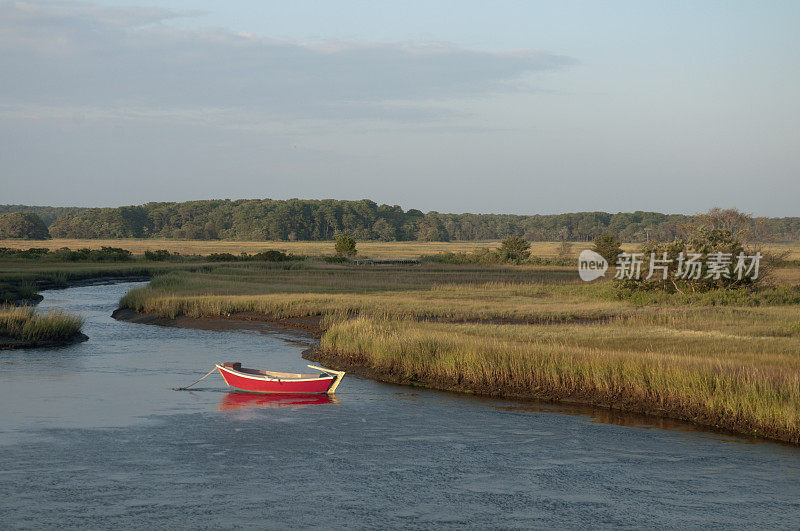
{"type": "Point", "coordinates": [238, 400]}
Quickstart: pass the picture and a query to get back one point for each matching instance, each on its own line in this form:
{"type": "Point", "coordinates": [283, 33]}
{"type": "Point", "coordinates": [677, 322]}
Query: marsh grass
{"type": "Point", "coordinates": [424, 292]}
{"type": "Point", "coordinates": [24, 323]}
{"type": "Point", "coordinates": [743, 382]}
{"type": "Point", "coordinates": [430, 291]}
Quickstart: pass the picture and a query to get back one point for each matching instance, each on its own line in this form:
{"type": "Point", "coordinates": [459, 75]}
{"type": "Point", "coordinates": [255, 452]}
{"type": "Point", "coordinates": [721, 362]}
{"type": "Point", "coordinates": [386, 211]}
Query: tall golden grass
{"type": "Point", "coordinates": [740, 382]}
{"type": "Point", "coordinates": [24, 323]}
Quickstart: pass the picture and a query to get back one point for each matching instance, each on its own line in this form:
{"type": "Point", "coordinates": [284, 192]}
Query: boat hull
{"type": "Point", "coordinates": [262, 384]}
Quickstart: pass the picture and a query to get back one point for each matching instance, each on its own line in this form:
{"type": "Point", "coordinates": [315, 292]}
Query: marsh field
{"type": "Point", "coordinates": [373, 249]}
{"type": "Point", "coordinates": [308, 248]}
{"type": "Point", "coordinates": [521, 331]}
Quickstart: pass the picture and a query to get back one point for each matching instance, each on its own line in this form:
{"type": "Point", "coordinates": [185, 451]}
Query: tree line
{"type": "Point", "coordinates": [299, 219]}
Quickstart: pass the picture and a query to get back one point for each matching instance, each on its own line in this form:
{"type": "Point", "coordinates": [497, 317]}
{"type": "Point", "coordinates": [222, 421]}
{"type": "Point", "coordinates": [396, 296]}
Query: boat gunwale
{"type": "Point", "coordinates": [267, 378]}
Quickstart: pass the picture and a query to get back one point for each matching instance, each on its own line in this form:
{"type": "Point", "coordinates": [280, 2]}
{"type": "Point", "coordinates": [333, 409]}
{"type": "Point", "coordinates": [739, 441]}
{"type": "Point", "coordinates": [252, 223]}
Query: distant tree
{"type": "Point", "coordinates": [564, 251]}
{"type": "Point", "coordinates": [515, 248]}
{"type": "Point", "coordinates": [210, 231]}
{"type": "Point", "coordinates": [608, 246]}
{"type": "Point", "coordinates": [384, 231]}
{"type": "Point", "coordinates": [345, 246]}
{"type": "Point", "coordinates": [23, 225]}
{"type": "Point", "coordinates": [432, 229]}
{"type": "Point", "coordinates": [731, 220]}
{"type": "Point", "coordinates": [268, 219]}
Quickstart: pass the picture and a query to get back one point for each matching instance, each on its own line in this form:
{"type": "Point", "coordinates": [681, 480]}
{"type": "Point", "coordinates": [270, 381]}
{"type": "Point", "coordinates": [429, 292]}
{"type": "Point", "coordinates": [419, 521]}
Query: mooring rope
{"type": "Point", "coordinates": [194, 382]}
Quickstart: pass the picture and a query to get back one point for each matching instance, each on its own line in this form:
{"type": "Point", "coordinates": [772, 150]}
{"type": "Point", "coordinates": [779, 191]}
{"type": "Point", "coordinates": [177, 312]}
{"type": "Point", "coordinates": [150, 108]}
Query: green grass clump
{"type": "Point", "coordinates": [24, 323]}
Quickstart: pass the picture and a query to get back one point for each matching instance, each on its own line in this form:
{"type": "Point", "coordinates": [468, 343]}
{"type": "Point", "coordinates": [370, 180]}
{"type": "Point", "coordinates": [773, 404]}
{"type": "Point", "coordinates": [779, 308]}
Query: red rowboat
{"type": "Point", "coordinates": [256, 381]}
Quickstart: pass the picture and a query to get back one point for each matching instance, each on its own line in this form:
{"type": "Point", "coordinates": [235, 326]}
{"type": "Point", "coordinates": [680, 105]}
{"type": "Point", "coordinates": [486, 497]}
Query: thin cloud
{"type": "Point", "coordinates": [85, 55]}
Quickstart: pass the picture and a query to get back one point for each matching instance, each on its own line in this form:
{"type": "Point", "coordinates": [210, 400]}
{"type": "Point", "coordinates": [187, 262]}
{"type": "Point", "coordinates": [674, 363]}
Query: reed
{"type": "Point", "coordinates": [25, 324]}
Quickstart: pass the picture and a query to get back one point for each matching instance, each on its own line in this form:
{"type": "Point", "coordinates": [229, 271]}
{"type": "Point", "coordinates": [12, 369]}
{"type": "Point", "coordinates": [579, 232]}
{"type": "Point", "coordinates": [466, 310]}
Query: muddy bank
{"type": "Point", "coordinates": [46, 284]}
{"type": "Point", "coordinates": [306, 327]}
{"type": "Point", "coordinates": [7, 343]}
{"type": "Point", "coordinates": [17, 292]}
{"type": "Point", "coordinates": [312, 324]}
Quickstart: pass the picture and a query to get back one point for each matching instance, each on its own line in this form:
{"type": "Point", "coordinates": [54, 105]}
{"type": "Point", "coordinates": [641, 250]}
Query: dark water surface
{"type": "Point", "coordinates": [92, 436]}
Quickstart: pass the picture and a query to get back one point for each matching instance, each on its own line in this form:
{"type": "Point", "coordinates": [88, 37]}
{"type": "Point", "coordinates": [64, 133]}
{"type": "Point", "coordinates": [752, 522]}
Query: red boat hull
{"type": "Point", "coordinates": [260, 384]}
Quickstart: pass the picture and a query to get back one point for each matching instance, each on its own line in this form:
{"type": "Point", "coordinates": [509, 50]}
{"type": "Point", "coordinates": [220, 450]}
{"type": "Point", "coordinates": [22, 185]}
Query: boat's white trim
{"type": "Point", "coordinates": [339, 375]}
{"type": "Point", "coordinates": [265, 378]}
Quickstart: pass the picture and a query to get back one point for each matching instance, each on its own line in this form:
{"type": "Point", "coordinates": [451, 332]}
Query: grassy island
{"type": "Point", "coordinates": [22, 326]}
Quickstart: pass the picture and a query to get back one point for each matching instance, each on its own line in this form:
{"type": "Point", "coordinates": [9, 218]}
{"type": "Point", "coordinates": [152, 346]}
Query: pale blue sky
{"type": "Point", "coordinates": [517, 107]}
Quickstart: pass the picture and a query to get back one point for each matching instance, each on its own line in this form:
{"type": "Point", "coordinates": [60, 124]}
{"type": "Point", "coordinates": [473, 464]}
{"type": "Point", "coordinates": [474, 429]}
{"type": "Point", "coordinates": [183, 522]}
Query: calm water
{"type": "Point", "coordinates": [93, 436]}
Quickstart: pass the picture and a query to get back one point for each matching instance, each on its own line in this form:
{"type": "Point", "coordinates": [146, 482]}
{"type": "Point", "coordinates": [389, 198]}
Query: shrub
{"type": "Point", "coordinates": [222, 257]}
{"type": "Point", "coordinates": [110, 254]}
{"type": "Point", "coordinates": [709, 260]}
{"type": "Point", "coordinates": [515, 249]}
{"type": "Point", "coordinates": [33, 253]}
{"type": "Point", "coordinates": [273, 256]}
{"type": "Point", "coordinates": [608, 246]}
{"type": "Point", "coordinates": [67, 255]}
{"type": "Point", "coordinates": [345, 246]}
{"type": "Point", "coordinates": [157, 256]}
